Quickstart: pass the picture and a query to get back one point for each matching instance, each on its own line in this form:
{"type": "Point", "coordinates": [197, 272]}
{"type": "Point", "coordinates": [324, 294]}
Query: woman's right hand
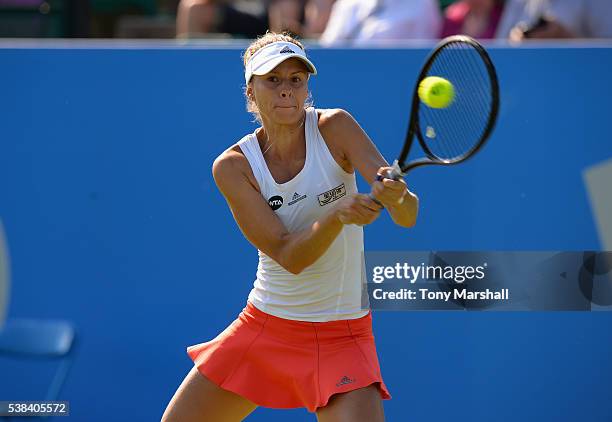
{"type": "Point", "coordinates": [357, 209]}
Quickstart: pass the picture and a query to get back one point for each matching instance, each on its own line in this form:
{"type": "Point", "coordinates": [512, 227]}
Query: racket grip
{"type": "Point", "coordinates": [382, 207]}
{"type": "Point", "coordinates": [394, 174]}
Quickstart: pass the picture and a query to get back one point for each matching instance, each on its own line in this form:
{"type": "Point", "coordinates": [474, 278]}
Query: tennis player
{"type": "Point", "coordinates": [303, 338]}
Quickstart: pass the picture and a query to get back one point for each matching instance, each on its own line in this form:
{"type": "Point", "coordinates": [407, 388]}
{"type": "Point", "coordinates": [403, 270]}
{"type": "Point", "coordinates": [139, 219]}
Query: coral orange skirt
{"type": "Point", "coordinates": [281, 363]}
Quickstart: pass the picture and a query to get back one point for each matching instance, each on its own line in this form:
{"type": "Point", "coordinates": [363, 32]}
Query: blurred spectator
{"type": "Point", "coordinates": [476, 18]}
{"type": "Point", "coordinates": [525, 12]}
{"type": "Point", "coordinates": [198, 17]}
{"type": "Point", "coordinates": [556, 19]}
{"type": "Point", "coordinates": [316, 16]}
{"type": "Point", "coordinates": [575, 19]}
{"type": "Point", "coordinates": [355, 21]}
{"type": "Point", "coordinates": [286, 15]}
{"type": "Point", "coordinates": [242, 18]}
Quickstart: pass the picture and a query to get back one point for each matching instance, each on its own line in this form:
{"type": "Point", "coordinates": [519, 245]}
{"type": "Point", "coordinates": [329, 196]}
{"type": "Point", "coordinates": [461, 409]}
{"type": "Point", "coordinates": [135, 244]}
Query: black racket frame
{"type": "Point", "coordinates": [400, 168]}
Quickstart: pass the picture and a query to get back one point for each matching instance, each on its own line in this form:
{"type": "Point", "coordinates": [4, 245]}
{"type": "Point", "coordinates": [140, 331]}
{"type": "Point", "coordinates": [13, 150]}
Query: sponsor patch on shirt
{"type": "Point", "coordinates": [332, 195]}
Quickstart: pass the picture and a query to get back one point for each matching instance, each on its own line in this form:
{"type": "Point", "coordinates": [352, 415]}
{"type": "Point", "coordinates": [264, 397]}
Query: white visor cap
{"type": "Point", "coordinates": [270, 56]}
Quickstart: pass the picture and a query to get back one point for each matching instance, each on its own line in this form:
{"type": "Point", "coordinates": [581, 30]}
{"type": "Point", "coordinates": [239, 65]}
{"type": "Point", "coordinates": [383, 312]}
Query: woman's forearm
{"type": "Point", "coordinates": [301, 249]}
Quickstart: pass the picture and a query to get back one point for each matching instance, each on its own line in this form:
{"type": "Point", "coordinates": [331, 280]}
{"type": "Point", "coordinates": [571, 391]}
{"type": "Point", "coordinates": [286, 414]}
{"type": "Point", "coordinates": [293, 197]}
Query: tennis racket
{"type": "Point", "coordinates": [457, 132]}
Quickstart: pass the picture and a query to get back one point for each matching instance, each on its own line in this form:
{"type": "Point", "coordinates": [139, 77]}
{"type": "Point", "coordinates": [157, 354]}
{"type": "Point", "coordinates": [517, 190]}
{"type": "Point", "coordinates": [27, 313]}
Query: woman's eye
{"type": "Point", "coordinates": [273, 79]}
{"type": "Point", "coordinates": [297, 79]}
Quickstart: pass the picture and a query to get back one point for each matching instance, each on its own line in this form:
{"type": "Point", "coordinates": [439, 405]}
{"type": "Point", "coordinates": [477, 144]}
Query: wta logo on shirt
{"type": "Point", "coordinates": [331, 195]}
{"type": "Point", "coordinates": [275, 202]}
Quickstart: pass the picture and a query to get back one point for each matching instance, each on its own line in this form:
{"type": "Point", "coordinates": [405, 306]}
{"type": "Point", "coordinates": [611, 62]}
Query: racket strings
{"type": "Point", "coordinates": [453, 132]}
{"type": "Point", "coordinates": [470, 96]}
{"type": "Point", "coordinates": [472, 102]}
{"type": "Point", "coordinates": [475, 104]}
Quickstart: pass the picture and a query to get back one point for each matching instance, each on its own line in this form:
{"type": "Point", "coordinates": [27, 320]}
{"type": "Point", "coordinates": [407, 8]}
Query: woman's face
{"type": "Point", "coordinates": [280, 94]}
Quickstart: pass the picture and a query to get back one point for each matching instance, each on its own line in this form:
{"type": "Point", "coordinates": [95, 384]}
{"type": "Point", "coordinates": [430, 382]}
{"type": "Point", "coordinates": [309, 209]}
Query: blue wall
{"type": "Point", "coordinates": [114, 222]}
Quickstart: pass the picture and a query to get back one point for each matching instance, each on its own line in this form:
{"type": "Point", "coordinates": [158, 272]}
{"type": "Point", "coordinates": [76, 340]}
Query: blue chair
{"type": "Point", "coordinates": [34, 338]}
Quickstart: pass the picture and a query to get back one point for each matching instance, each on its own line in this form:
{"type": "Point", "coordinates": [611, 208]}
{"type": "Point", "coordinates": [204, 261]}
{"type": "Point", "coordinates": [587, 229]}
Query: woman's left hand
{"type": "Point", "coordinates": [389, 192]}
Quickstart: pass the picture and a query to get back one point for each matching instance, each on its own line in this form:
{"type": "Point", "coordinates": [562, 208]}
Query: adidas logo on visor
{"type": "Point", "coordinates": [272, 55]}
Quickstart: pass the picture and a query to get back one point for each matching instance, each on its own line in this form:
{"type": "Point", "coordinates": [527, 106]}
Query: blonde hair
{"type": "Point", "coordinates": [268, 38]}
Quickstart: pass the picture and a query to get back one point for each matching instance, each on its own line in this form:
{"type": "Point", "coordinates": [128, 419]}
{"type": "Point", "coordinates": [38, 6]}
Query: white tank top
{"type": "Point", "coordinates": [330, 288]}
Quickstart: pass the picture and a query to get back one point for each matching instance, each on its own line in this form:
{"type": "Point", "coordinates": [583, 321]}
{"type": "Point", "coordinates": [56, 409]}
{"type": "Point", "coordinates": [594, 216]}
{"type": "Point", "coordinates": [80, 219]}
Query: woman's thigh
{"type": "Point", "coordinates": [363, 404]}
{"type": "Point", "coordinates": [199, 399]}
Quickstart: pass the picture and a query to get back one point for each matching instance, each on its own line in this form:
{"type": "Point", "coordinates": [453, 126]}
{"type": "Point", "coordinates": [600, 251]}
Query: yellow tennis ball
{"type": "Point", "coordinates": [436, 92]}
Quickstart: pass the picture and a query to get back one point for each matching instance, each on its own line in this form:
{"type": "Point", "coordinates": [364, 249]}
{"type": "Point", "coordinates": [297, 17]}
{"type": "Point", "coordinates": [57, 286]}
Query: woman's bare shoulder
{"type": "Point", "coordinates": [334, 119]}
{"type": "Point", "coordinates": [232, 166]}
{"type": "Point", "coordinates": [336, 123]}
{"type": "Point", "coordinates": [335, 126]}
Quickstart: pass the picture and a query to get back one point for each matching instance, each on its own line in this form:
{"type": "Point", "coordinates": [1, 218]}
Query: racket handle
{"type": "Point", "coordinates": [395, 174]}
{"type": "Point", "coordinates": [382, 207]}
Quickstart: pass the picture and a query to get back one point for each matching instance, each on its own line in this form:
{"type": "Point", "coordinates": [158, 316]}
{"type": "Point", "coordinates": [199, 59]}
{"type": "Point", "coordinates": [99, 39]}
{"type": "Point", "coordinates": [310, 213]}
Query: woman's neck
{"type": "Point", "coordinates": [282, 141]}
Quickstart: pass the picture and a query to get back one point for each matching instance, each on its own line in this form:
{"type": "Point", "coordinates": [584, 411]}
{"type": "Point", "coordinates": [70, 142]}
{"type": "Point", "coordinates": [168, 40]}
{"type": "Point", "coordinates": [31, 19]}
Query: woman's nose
{"type": "Point", "coordinates": [286, 90]}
